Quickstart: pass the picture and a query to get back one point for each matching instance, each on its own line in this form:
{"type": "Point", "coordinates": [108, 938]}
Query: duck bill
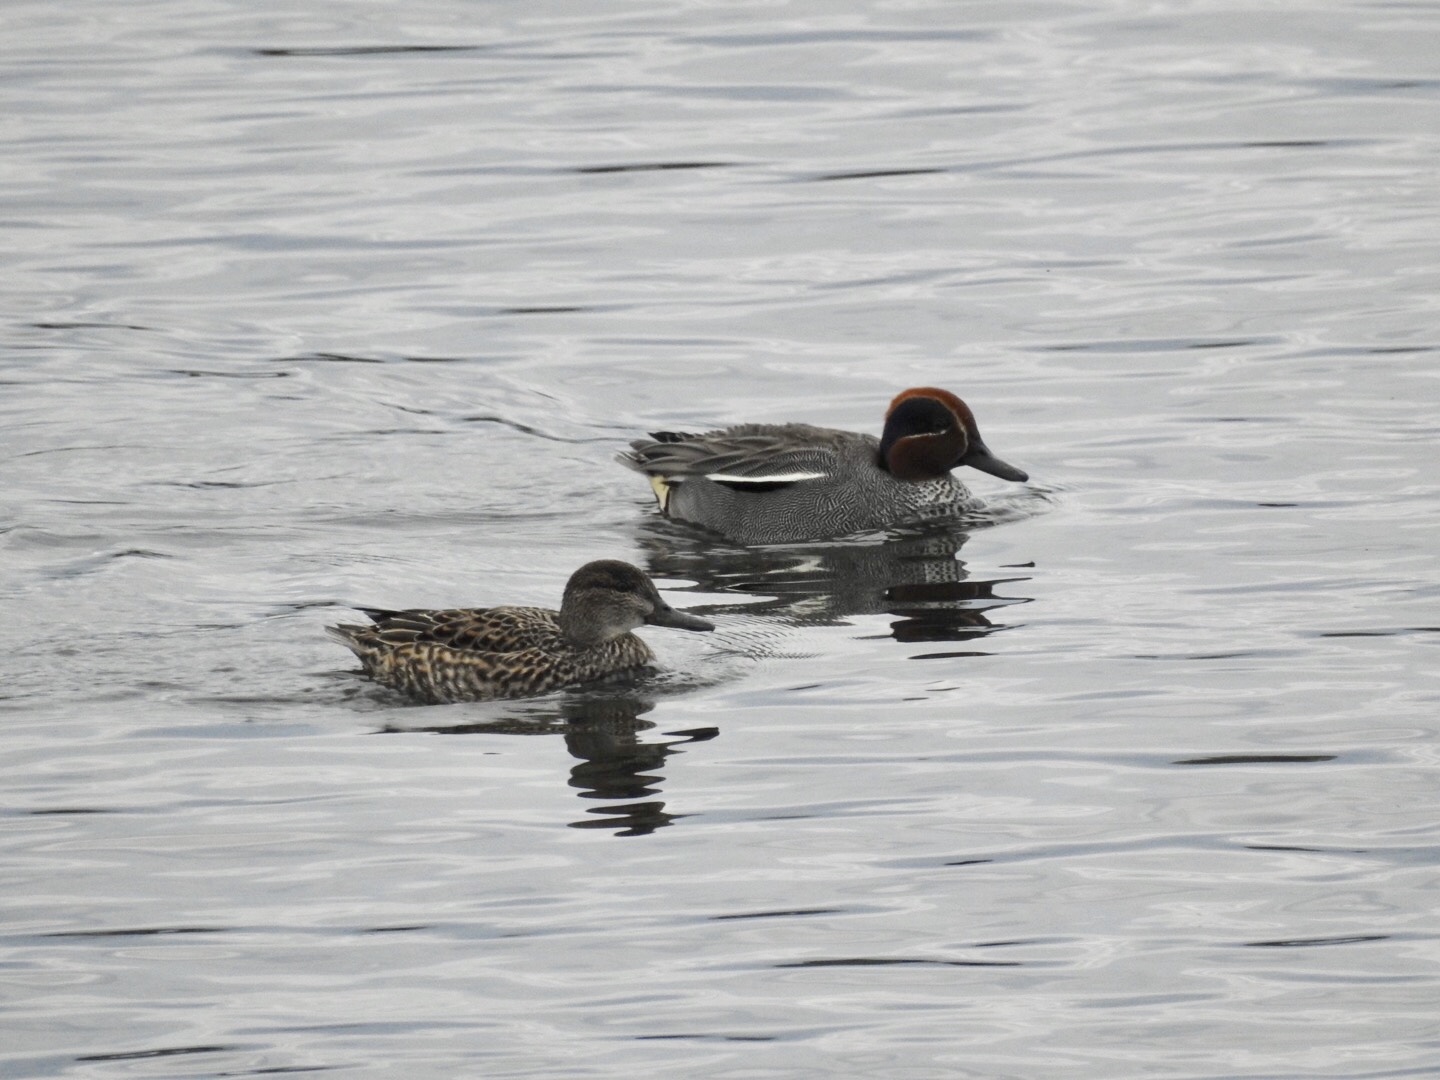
{"type": "Point", "coordinates": [678, 620]}
{"type": "Point", "coordinates": [980, 457]}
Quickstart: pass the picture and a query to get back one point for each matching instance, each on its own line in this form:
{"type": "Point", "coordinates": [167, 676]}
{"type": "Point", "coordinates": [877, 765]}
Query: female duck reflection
{"type": "Point", "coordinates": [602, 731]}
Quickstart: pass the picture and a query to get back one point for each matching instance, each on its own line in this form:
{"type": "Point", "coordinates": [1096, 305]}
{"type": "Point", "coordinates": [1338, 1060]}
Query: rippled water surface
{"type": "Point", "coordinates": [322, 304]}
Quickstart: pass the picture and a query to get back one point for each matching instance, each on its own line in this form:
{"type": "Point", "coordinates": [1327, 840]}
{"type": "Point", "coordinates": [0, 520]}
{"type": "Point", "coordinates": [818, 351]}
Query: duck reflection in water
{"type": "Point", "coordinates": [602, 731]}
{"type": "Point", "coordinates": [914, 574]}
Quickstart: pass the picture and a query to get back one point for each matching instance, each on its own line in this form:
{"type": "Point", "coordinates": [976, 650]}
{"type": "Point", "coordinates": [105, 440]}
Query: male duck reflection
{"type": "Point", "coordinates": [777, 483]}
{"type": "Point", "coordinates": [502, 652]}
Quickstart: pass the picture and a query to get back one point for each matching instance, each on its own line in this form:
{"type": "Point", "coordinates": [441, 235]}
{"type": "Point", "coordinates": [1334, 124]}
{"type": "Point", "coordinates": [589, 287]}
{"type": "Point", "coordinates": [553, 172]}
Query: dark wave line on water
{"type": "Point", "coordinates": [526, 429]}
{"type": "Point", "coordinates": [198, 373]}
{"type": "Point", "coordinates": [1368, 350]}
{"type": "Point", "coordinates": [507, 50]}
{"type": "Point", "coordinates": [794, 913]}
{"type": "Point", "coordinates": [1398, 632]}
{"type": "Point", "coordinates": [1350, 85]}
{"type": "Point", "coordinates": [1159, 345]}
{"type": "Point", "coordinates": [712, 1036]}
{"type": "Point", "coordinates": [1409, 855]}
{"type": "Point", "coordinates": [873, 174]}
{"type": "Point", "coordinates": [1001, 165]}
{"type": "Point", "coordinates": [558, 309]}
{"type": "Point", "coordinates": [1168, 842]}
{"type": "Point", "coordinates": [649, 166]}
{"type": "Point", "coordinates": [1258, 759]}
{"type": "Point", "coordinates": [368, 50]}
{"type": "Point", "coordinates": [1310, 943]}
{"type": "Point", "coordinates": [165, 1051]}
{"type": "Point", "coordinates": [139, 931]}
{"type": "Point", "coordinates": [1235, 654]}
{"type": "Point", "coordinates": [224, 485]}
{"type": "Point", "coordinates": [65, 811]}
{"type": "Point", "coordinates": [470, 311]}
{"type": "Point", "coordinates": [351, 358]}
{"type": "Point", "coordinates": [80, 448]}
{"type": "Point", "coordinates": [897, 961]}
{"type": "Point", "coordinates": [81, 325]}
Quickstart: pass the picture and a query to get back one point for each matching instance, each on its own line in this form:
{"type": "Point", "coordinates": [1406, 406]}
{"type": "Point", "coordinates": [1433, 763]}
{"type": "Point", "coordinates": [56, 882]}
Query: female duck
{"type": "Point", "coordinates": [501, 652]}
{"type": "Point", "coordinates": [777, 483]}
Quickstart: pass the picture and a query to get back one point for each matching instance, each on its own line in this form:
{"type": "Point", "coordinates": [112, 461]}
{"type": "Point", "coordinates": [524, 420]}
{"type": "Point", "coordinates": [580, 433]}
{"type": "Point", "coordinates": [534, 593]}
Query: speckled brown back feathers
{"type": "Point", "coordinates": [475, 654]}
{"type": "Point", "coordinates": [497, 629]}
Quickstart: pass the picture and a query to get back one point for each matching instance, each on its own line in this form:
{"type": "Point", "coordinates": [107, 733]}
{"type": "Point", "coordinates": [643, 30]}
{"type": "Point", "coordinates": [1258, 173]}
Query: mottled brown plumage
{"type": "Point", "coordinates": [475, 654]}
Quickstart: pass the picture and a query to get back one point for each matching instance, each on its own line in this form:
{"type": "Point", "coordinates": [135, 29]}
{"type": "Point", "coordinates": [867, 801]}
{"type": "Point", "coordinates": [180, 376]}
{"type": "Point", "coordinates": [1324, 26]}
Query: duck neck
{"type": "Point", "coordinates": [578, 633]}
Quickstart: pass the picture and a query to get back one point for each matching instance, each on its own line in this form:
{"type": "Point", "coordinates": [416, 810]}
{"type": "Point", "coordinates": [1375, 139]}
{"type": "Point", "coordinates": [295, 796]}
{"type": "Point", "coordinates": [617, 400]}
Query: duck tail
{"type": "Point", "coordinates": [347, 634]}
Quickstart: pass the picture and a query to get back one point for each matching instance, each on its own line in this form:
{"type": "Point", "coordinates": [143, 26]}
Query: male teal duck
{"type": "Point", "coordinates": [779, 483]}
{"type": "Point", "coordinates": [483, 653]}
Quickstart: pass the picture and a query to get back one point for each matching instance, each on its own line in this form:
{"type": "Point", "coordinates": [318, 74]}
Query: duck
{"type": "Point", "coordinates": [781, 483]}
{"type": "Point", "coordinates": [480, 654]}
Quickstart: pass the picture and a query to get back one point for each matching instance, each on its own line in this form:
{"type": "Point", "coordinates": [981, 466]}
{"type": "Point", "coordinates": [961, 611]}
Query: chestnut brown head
{"type": "Point", "coordinates": [929, 432]}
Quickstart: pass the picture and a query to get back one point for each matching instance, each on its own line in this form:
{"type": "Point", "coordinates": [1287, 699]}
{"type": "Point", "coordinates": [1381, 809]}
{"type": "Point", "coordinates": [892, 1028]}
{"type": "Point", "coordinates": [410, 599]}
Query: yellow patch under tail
{"type": "Point", "coordinates": [661, 487]}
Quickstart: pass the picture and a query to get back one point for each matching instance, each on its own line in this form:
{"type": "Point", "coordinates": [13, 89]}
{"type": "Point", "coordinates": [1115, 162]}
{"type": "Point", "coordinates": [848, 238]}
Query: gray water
{"type": "Point", "coordinates": [321, 304]}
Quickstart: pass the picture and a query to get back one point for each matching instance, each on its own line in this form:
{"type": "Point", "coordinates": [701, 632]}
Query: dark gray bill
{"type": "Point", "coordinates": [668, 616]}
{"type": "Point", "coordinates": [979, 457]}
